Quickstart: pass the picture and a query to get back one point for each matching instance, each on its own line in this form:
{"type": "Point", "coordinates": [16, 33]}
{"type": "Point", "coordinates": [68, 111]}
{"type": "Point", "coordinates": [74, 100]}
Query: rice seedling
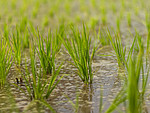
{"type": "Point", "coordinates": [147, 19]}
{"type": "Point", "coordinates": [45, 21]}
{"type": "Point", "coordinates": [67, 7]}
{"type": "Point", "coordinates": [35, 9]}
{"type": "Point", "coordinates": [78, 48]}
{"type": "Point", "coordinates": [6, 32]}
{"type": "Point", "coordinates": [121, 13]}
{"type": "Point", "coordinates": [93, 22]}
{"type": "Point", "coordinates": [24, 7]}
{"type": "Point", "coordinates": [113, 7]}
{"type": "Point", "coordinates": [10, 18]}
{"type": "Point", "coordinates": [14, 42]}
{"type": "Point", "coordinates": [136, 69]}
{"type": "Point", "coordinates": [103, 37]}
{"type": "Point", "coordinates": [16, 46]}
{"type": "Point", "coordinates": [129, 19]}
{"type": "Point", "coordinates": [118, 24]}
{"type": "Point", "coordinates": [37, 87]}
{"type": "Point", "coordinates": [120, 51]}
{"type": "Point", "coordinates": [93, 2]}
{"type": "Point", "coordinates": [48, 52]}
{"type": "Point", "coordinates": [133, 91]}
{"type": "Point", "coordinates": [136, 10]}
{"type": "Point", "coordinates": [123, 3]}
{"type": "Point", "coordinates": [5, 61]}
{"type": "Point", "coordinates": [104, 16]}
{"type": "Point", "coordinates": [25, 39]}
{"type": "Point", "coordinates": [132, 88]}
{"type": "Point", "coordinates": [13, 4]}
{"type": "Point", "coordinates": [51, 13]}
{"type": "Point", "coordinates": [47, 56]}
{"type": "Point", "coordinates": [23, 24]}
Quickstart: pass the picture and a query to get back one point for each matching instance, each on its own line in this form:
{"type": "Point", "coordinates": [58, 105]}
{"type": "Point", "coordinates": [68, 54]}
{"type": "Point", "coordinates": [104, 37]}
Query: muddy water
{"type": "Point", "coordinates": [106, 80]}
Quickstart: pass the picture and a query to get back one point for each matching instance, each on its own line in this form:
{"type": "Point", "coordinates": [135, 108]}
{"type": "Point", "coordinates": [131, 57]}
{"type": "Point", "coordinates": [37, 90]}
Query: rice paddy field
{"type": "Point", "coordinates": [74, 56]}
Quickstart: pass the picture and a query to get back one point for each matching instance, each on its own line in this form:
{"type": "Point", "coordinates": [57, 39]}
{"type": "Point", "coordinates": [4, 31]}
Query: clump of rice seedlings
{"type": "Point", "coordinates": [104, 16]}
{"type": "Point", "coordinates": [118, 24]}
{"type": "Point", "coordinates": [45, 21]}
{"type": "Point", "coordinates": [78, 47]}
{"type": "Point", "coordinates": [136, 10]}
{"type": "Point", "coordinates": [120, 51]}
{"type": "Point", "coordinates": [47, 49]}
{"type": "Point", "coordinates": [35, 12]}
{"type": "Point", "coordinates": [103, 37]}
{"type": "Point", "coordinates": [23, 7]}
{"type": "Point", "coordinates": [123, 3]}
{"type": "Point", "coordinates": [94, 3]}
{"type": "Point", "coordinates": [25, 39]}
{"type": "Point", "coordinates": [78, 18]}
{"type": "Point", "coordinates": [16, 46]}
{"type": "Point", "coordinates": [51, 13]}
{"type": "Point", "coordinates": [13, 4]}
{"type": "Point", "coordinates": [35, 9]}
{"type": "Point", "coordinates": [67, 7]}
{"type": "Point", "coordinates": [121, 13]}
{"type": "Point", "coordinates": [10, 18]}
{"type": "Point", "coordinates": [23, 24]}
{"type": "Point", "coordinates": [5, 61]}
{"type": "Point", "coordinates": [47, 56]}
{"type": "Point", "coordinates": [37, 86]}
{"type": "Point", "coordinates": [132, 87]}
{"type": "Point", "coordinates": [136, 71]}
{"type": "Point", "coordinates": [129, 19]}
{"type": "Point", "coordinates": [133, 91]}
{"type": "Point", "coordinates": [6, 32]}
{"type": "Point", "coordinates": [93, 22]}
{"type": "Point", "coordinates": [113, 7]}
{"type": "Point", "coordinates": [147, 19]}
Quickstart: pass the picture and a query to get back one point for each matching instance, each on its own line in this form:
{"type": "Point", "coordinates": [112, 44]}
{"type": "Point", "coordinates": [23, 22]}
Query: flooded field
{"type": "Point", "coordinates": [74, 56]}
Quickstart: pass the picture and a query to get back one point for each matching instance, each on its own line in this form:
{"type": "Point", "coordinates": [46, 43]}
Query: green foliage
{"type": "Point", "coordinates": [93, 22]}
{"type": "Point", "coordinates": [16, 46]}
{"type": "Point", "coordinates": [118, 24]}
{"type": "Point", "coordinates": [135, 70]}
{"type": "Point", "coordinates": [78, 47]}
{"type": "Point", "coordinates": [104, 16]}
{"type": "Point", "coordinates": [129, 19]}
{"type": "Point", "coordinates": [37, 87]}
{"type": "Point", "coordinates": [103, 37]}
{"type": "Point", "coordinates": [120, 51]}
{"type": "Point", "coordinates": [25, 39]}
{"type": "Point", "coordinates": [133, 91]}
{"type": "Point", "coordinates": [5, 61]}
{"type": "Point", "coordinates": [45, 21]}
{"type": "Point", "coordinates": [147, 20]}
{"type": "Point", "coordinates": [47, 50]}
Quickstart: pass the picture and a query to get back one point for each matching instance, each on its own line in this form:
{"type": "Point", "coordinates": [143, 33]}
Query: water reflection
{"type": "Point", "coordinates": [86, 99]}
